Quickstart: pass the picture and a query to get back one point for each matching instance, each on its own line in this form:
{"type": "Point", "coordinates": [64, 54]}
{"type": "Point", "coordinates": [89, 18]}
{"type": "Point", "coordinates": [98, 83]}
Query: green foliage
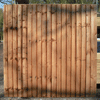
{"type": "Point", "coordinates": [1, 18]}
{"type": "Point", "coordinates": [61, 1]}
{"type": "Point", "coordinates": [1, 22]}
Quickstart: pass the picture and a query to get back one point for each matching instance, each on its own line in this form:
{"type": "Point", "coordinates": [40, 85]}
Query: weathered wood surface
{"type": "Point", "coordinates": [50, 50]}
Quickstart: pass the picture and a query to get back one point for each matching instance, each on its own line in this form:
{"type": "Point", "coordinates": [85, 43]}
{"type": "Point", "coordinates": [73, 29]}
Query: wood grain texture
{"type": "Point", "coordinates": [88, 53]}
{"type": "Point", "coordinates": [44, 65]}
{"type": "Point", "coordinates": [15, 50]}
{"type": "Point", "coordinates": [59, 50]}
{"type": "Point", "coordinates": [68, 50]}
{"type": "Point", "coordinates": [73, 53]}
{"type": "Point", "coordinates": [50, 50]}
{"type": "Point", "coordinates": [19, 51]}
{"type": "Point", "coordinates": [54, 69]}
{"type": "Point", "coordinates": [5, 50]}
{"type": "Point", "coordinates": [10, 51]}
{"type": "Point", "coordinates": [64, 46]}
{"type": "Point", "coordinates": [83, 57]}
{"type": "Point", "coordinates": [78, 55]}
{"type": "Point", "coordinates": [39, 61]}
{"type": "Point", "coordinates": [34, 42]}
{"type": "Point", "coordinates": [29, 51]}
{"type": "Point", "coordinates": [24, 55]}
{"type": "Point", "coordinates": [93, 50]}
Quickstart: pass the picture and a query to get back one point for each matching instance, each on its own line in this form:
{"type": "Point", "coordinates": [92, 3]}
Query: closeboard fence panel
{"type": "Point", "coordinates": [73, 53]}
{"type": "Point", "coordinates": [19, 51]}
{"type": "Point", "coordinates": [58, 50]}
{"type": "Point", "coordinates": [50, 50]}
{"type": "Point", "coordinates": [10, 52]}
{"type": "Point", "coordinates": [83, 55]}
{"type": "Point", "coordinates": [49, 53]}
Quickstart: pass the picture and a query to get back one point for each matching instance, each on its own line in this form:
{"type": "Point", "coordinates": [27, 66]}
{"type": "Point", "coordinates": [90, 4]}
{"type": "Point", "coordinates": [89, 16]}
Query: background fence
{"type": "Point", "coordinates": [50, 50]}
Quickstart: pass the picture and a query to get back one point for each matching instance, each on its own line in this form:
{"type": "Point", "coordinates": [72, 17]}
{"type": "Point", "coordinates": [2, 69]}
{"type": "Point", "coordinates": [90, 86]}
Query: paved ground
{"type": "Point", "coordinates": [5, 98]}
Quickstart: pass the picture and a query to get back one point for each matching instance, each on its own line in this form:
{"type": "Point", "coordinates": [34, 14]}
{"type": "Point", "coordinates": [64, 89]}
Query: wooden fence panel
{"type": "Point", "coordinates": [39, 39]}
{"type": "Point", "coordinates": [50, 50]}
{"type": "Point", "coordinates": [24, 54]}
{"type": "Point", "coordinates": [68, 50]}
{"type": "Point", "coordinates": [54, 66]}
{"type": "Point", "coordinates": [93, 50]}
{"type": "Point", "coordinates": [73, 53]}
{"type": "Point", "coordinates": [59, 50]}
{"type": "Point", "coordinates": [10, 51]}
{"type": "Point", "coordinates": [83, 57]}
{"type": "Point", "coordinates": [5, 51]}
{"type": "Point", "coordinates": [44, 67]}
{"type": "Point", "coordinates": [78, 46]}
{"type": "Point", "coordinates": [64, 50]}
{"type": "Point", "coordinates": [29, 51]}
{"type": "Point", "coordinates": [88, 46]}
{"type": "Point", "coordinates": [19, 51]}
{"type": "Point", "coordinates": [34, 42]}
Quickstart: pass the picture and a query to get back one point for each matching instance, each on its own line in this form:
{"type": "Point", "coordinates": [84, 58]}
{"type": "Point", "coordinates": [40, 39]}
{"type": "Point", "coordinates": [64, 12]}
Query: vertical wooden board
{"type": "Point", "coordinates": [14, 52]}
{"type": "Point", "coordinates": [73, 53]}
{"type": "Point", "coordinates": [54, 77]}
{"type": "Point", "coordinates": [39, 49]}
{"type": "Point", "coordinates": [83, 66]}
{"type": "Point", "coordinates": [24, 57]}
{"type": "Point", "coordinates": [93, 49]}
{"type": "Point", "coordinates": [29, 51]}
{"type": "Point", "coordinates": [88, 45]}
{"type": "Point", "coordinates": [68, 50]}
{"type": "Point", "coordinates": [19, 51]}
{"type": "Point", "coordinates": [34, 42]}
{"type": "Point", "coordinates": [59, 50]}
{"type": "Point", "coordinates": [5, 48]}
{"type": "Point", "coordinates": [17, 47]}
{"type": "Point", "coordinates": [63, 49]}
{"type": "Point", "coordinates": [43, 35]}
{"type": "Point", "coordinates": [49, 52]}
{"type": "Point", "coordinates": [10, 51]}
{"type": "Point", "coordinates": [27, 89]}
{"type": "Point", "coordinates": [78, 55]}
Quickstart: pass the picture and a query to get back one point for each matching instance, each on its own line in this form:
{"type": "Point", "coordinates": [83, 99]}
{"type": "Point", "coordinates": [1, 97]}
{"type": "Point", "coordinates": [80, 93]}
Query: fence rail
{"type": "Point", "coordinates": [50, 50]}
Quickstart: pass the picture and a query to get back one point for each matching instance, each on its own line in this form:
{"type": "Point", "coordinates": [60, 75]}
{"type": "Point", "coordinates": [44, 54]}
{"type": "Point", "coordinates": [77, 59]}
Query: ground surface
{"type": "Point", "coordinates": [6, 98]}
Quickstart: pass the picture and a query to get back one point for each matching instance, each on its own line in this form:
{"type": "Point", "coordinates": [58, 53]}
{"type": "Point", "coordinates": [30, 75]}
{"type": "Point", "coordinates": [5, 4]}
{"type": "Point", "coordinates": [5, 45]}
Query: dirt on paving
{"type": "Point", "coordinates": [17, 98]}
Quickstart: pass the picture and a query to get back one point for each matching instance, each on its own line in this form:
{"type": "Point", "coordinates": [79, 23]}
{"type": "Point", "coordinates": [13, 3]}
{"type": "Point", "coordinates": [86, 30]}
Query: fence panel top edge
{"type": "Point", "coordinates": [51, 4]}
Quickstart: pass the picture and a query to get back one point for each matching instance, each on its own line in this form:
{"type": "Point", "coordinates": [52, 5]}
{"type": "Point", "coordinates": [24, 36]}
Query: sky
{"type": "Point", "coordinates": [1, 4]}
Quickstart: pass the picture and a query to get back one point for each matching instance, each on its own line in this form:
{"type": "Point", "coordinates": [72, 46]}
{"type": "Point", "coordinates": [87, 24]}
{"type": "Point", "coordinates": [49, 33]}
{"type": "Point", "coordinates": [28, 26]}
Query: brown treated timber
{"type": "Point", "coordinates": [54, 77]}
{"type": "Point", "coordinates": [88, 53]}
{"type": "Point", "coordinates": [78, 54]}
{"type": "Point", "coordinates": [73, 53]}
{"type": "Point", "coordinates": [5, 48]}
{"type": "Point", "coordinates": [68, 50]}
{"type": "Point", "coordinates": [19, 51]}
{"type": "Point", "coordinates": [34, 42]}
{"type": "Point", "coordinates": [83, 57]}
{"type": "Point", "coordinates": [29, 51]}
{"type": "Point", "coordinates": [10, 51]}
{"type": "Point", "coordinates": [58, 50]}
{"type": "Point", "coordinates": [43, 35]}
{"type": "Point", "coordinates": [50, 50]}
{"type": "Point", "coordinates": [93, 50]}
{"type": "Point", "coordinates": [64, 45]}
{"type": "Point", "coordinates": [15, 50]}
{"type": "Point", "coordinates": [39, 69]}
{"type": "Point", "coordinates": [24, 57]}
